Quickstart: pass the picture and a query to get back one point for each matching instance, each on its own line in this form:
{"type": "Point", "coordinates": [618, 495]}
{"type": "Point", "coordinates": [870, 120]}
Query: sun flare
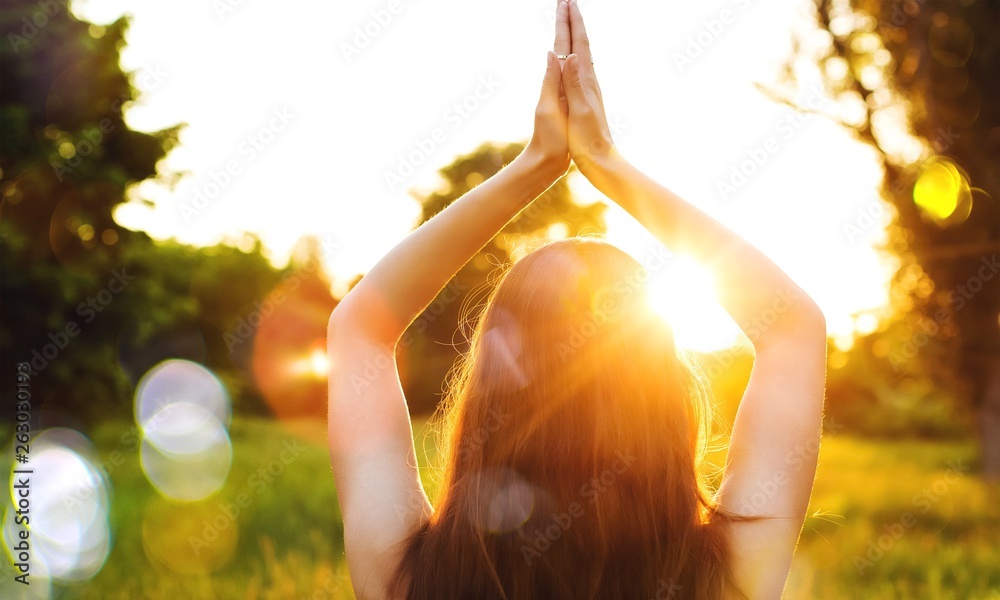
{"type": "Point", "coordinates": [684, 294]}
{"type": "Point", "coordinates": [314, 365]}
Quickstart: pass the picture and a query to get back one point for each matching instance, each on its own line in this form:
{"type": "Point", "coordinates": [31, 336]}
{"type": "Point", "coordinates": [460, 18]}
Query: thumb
{"type": "Point", "coordinates": [553, 77]}
{"type": "Point", "coordinates": [572, 80]}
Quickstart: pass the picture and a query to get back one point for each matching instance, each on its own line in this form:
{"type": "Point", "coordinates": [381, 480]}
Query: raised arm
{"type": "Point", "coordinates": [775, 441]}
{"type": "Point", "coordinates": [370, 438]}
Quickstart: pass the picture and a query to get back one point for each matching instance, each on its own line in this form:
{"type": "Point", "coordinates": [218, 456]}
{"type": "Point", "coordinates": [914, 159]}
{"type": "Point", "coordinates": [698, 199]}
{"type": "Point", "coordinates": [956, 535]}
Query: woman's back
{"type": "Point", "coordinates": [593, 467]}
{"type": "Point", "coordinates": [572, 466]}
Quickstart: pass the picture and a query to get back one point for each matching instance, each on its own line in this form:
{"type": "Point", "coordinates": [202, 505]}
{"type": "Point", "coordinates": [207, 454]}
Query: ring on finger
{"type": "Point", "coordinates": [565, 56]}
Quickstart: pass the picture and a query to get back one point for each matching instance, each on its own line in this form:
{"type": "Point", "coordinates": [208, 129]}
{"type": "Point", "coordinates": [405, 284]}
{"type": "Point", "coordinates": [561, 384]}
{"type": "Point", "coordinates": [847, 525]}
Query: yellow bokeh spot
{"type": "Point", "coordinates": [473, 179]}
{"type": "Point", "coordinates": [942, 192]}
{"type": "Point", "coordinates": [190, 539]}
{"type": "Point", "coordinates": [67, 150]}
{"type": "Point", "coordinates": [86, 232]}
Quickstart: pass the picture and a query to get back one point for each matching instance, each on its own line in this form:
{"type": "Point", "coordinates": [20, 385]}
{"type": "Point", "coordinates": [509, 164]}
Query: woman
{"type": "Point", "coordinates": [577, 431]}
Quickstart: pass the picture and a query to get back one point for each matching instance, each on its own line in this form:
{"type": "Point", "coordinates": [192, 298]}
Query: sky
{"type": "Point", "coordinates": [322, 118]}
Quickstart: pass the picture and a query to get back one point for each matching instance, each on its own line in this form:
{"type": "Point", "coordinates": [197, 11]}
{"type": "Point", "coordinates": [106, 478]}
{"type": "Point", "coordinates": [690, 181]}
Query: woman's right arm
{"type": "Point", "coordinates": [775, 439]}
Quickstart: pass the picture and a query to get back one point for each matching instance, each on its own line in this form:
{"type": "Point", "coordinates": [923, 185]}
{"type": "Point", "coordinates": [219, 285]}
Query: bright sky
{"type": "Point", "coordinates": [295, 116]}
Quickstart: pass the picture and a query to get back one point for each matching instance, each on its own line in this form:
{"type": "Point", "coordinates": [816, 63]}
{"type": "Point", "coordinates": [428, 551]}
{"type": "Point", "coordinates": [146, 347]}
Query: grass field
{"type": "Point", "coordinates": [900, 519]}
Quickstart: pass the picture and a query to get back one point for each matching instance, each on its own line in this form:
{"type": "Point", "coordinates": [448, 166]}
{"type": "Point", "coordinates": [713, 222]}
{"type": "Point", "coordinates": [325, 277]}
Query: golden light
{"type": "Point", "coordinates": [313, 365]}
{"type": "Point", "coordinates": [318, 363]}
{"type": "Point", "coordinates": [865, 324]}
{"type": "Point", "coordinates": [942, 192]}
{"type": "Point", "coordinates": [288, 360]}
{"type": "Point", "coordinates": [189, 539]}
{"type": "Point", "coordinates": [684, 294]}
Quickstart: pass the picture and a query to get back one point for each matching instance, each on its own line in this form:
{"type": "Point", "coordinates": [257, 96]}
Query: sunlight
{"type": "Point", "coordinates": [315, 365]}
{"type": "Point", "coordinates": [683, 293]}
{"type": "Point", "coordinates": [318, 363]}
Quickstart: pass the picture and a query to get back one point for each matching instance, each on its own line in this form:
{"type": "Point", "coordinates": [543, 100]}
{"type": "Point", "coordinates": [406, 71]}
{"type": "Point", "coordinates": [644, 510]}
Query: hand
{"type": "Point", "coordinates": [589, 135]}
{"type": "Point", "coordinates": [549, 143]}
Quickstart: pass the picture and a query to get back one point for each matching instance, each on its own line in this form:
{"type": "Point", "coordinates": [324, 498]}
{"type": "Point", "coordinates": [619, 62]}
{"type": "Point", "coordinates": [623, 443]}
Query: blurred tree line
{"type": "Point", "coordinates": [929, 71]}
{"type": "Point", "coordinates": [92, 305]}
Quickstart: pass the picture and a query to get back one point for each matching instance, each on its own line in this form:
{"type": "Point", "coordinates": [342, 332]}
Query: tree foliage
{"type": "Point", "coordinates": [89, 304]}
{"type": "Point", "coordinates": [927, 70]}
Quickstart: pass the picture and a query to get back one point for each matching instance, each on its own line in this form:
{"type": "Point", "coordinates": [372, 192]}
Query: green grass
{"type": "Point", "coordinates": [288, 541]}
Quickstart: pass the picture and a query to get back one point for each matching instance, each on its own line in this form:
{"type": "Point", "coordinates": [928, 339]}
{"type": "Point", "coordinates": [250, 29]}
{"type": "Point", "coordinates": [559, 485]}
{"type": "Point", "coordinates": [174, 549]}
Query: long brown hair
{"type": "Point", "coordinates": [574, 437]}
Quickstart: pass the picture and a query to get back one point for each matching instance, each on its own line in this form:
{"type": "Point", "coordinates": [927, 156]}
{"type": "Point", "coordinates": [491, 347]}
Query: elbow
{"type": "Point", "coordinates": [336, 324]}
{"type": "Point", "coordinates": [338, 318]}
{"type": "Point", "coordinates": [353, 320]}
{"type": "Point", "coordinates": [803, 325]}
{"type": "Point", "coordinates": [345, 323]}
{"type": "Point", "coordinates": [810, 322]}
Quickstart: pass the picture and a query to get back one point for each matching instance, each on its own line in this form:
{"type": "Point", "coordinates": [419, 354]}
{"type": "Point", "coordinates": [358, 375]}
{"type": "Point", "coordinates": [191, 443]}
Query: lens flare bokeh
{"type": "Point", "coordinates": [289, 362]}
{"type": "Point", "coordinates": [188, 539]}
{"type": "Point", "coordinates": [509, 501]}
{"type": "Point", "coordinates": [69, 534]}
{"type": "Point", "coordinates": [942, 193]}
{"type": "Point", "coordinates": [183, 412]}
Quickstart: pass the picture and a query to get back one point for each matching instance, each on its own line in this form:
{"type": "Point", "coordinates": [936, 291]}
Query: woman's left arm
{"type": "Point", "coordinates": [369, 433]}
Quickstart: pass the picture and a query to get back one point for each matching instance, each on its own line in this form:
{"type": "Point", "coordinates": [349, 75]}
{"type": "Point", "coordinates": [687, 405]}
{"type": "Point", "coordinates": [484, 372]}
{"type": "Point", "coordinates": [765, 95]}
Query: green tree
{"type": "Point", "coordinates": [437, 337]}
{"type": "Point", "coordinates": [66, 158]}
{"type": "Point", "coordinates": [929, 68]}
{"type": "Point", "coordinates": [89, 304]}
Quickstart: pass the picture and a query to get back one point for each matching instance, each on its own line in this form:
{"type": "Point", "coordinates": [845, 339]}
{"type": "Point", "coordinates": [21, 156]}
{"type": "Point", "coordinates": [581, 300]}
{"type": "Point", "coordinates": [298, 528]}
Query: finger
{"type": "Point", "coordinates": [553, 78]}
{"type": "Point", "coordinates": [578, 33]}
{"type": "Point", "coordinates": [563, 44]}
{"type": "Point", "coordinates": [572, 82]}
